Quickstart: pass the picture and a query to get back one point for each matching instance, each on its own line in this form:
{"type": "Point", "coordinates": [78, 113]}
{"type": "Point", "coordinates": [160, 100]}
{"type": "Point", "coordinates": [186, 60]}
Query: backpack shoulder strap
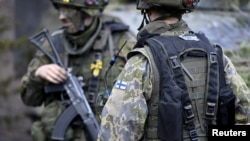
{"type": "Point", "coordinates": [226, 103]}
{"type": "Point", "coordinates": [221, 66]}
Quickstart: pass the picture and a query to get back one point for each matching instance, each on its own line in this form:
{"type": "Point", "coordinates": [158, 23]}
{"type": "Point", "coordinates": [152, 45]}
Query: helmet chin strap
{"type": "Point", "coordinates": [144, 20]}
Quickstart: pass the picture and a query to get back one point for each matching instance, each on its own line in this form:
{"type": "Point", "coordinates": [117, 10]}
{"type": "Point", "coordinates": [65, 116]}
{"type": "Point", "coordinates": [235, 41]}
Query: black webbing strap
{"type": "Point", "coordinates": [94, 80]}
{"type": "Point", "coordinates": [212, 80]}
{"type": "Point", "coordinates": [220, 61]}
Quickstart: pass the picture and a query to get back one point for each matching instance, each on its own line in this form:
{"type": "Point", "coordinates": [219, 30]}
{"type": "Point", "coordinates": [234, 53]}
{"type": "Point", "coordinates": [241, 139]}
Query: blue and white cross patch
{"type": "Point", "coordinates": [121, 85]}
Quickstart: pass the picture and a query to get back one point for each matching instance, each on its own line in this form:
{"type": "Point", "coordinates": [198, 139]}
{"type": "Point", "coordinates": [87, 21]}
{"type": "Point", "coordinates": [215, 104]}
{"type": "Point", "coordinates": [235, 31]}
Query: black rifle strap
{"type": "Point", "coordinates": [96, 67]}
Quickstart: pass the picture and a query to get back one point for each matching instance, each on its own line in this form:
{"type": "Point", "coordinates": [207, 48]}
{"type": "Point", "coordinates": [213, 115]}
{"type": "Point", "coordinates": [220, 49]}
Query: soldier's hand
{"type": "Point", "coordinates": [52, 73]}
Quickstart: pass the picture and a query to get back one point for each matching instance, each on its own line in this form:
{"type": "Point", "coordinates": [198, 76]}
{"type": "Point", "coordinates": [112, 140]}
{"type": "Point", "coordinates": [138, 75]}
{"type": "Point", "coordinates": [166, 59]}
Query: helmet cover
{"type": "Point", "coordinates": [92, 7]}
{"type": "Point", "coordinates": [187, 5]}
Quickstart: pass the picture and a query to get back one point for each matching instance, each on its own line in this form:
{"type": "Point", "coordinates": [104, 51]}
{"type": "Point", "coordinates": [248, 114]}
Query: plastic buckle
{"type": "Point", "coordinates": [188, 112]}
{"type": "Point", "coordinates": [101, 99]}
{"type": "Point", "coordinates": [213, 57]}
{"type": "Point", "coordinates": [91, 97]}
{"type": "Point", "coordinates": [210, 109]}
{"type": "Point", "coordinates": [193, 135]}
{"type": "Point", "coordinates": [175, 63]}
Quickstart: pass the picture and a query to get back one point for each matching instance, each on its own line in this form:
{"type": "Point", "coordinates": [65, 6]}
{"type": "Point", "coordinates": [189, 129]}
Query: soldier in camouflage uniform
{"type": "Point", "coordinates": [131, 111]}
{"type": "Point", "coordinates": [86, 43]}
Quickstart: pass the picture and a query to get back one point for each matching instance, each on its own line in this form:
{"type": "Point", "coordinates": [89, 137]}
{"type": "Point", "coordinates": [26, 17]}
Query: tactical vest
{"type": "Point", "coordinates": [186, 100]}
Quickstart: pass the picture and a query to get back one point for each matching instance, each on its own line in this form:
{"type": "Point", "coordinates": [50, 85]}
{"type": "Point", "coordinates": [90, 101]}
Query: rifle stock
{"type": "Point", "coordinates": [79, 104]}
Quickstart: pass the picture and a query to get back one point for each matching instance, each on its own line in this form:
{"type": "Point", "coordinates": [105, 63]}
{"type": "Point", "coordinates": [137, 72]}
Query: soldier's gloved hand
{"type": "Point", "coordinates": [52, 73]}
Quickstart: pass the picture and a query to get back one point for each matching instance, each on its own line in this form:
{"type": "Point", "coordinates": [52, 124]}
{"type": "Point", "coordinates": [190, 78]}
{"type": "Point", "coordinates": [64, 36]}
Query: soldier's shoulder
{"type": "Point", "coordinates": [136, 51]}
{"type": "Point", "coordinates": [136, 58]}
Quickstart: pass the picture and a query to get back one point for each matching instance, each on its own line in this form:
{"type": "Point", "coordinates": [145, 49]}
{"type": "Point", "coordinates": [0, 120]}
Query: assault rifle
{"type": "Point", "coordinates": [78, 102]}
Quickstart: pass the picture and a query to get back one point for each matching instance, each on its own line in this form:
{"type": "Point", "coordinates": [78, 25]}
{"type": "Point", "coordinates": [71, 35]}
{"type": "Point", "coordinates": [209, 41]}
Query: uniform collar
{"type": "Point", "coordinates": [160, 27]}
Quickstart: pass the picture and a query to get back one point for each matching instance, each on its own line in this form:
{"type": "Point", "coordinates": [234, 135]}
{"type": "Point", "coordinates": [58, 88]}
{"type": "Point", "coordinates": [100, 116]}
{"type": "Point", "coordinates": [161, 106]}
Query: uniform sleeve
{"type": "Point", "coordinates": [241, 91]}
{"type": "Point", "coordinates": [124, 115]}
{"type": "Point", "coordinates": [31, 87]}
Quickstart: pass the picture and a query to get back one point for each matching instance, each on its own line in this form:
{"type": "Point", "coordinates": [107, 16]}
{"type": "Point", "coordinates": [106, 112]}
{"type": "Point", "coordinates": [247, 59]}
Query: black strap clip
{"type": "Point", "coordinates": [213, 57]}
{"type": "Point", "coordinates": [210, 109]}
{"type": "Point", "coordinates": [188, 112]}
{"type": "Point", "coordinates": [175, 63]}
{"type": "Point", "coordinates": [193, 135]}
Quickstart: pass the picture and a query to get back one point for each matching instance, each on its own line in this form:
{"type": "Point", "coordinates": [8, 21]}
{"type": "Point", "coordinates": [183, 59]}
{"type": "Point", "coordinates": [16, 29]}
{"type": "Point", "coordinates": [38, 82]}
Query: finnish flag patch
{"type": "Point", "coordinates": [121, 85]}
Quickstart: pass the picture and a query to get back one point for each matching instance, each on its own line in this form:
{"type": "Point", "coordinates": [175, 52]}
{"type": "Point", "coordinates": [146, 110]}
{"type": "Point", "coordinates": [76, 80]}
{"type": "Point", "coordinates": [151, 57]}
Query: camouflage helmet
{"type": "Point", "coordinates": [92, 7]}
{"type": "Point", "coordinates": [187, 5]}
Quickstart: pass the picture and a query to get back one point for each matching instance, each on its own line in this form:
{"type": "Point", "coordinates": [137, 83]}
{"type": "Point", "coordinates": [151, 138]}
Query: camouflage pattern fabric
{"type": "Point", "coordinates": [240, 89]}
{"type": "Point", "coordinates": [32, 88]}
{"type": "Point", "coordinates": [240, 58]}
{"type": "Point", "coordinates": [126, 111]}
